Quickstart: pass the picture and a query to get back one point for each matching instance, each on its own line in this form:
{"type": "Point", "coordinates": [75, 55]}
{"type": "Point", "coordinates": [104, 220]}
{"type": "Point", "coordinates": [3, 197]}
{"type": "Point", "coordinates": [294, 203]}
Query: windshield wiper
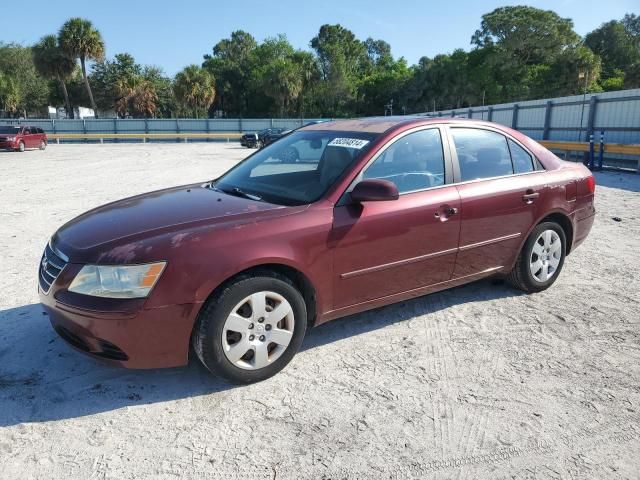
{"type": "Point", "coordinates": [240, 193]}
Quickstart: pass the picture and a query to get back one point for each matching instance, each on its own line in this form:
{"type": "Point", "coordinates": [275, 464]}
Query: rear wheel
{"type": "Point", "coordinates": [541, 259]}
{"type": "Point", "coordinates": [252, 329]}
{"type": "Point", "coordinates": [43, 144]}
{"type": "Point", "coordinates": [21, 147]}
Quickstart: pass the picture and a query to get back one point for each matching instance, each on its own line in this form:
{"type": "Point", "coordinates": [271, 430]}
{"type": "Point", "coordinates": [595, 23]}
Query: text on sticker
{"type": "Point", "coordinates": [348, 142]}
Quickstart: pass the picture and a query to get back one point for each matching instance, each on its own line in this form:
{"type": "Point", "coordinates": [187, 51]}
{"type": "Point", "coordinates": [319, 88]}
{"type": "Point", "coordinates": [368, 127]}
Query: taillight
{"type": "Point", "coordinates": [591, 184]}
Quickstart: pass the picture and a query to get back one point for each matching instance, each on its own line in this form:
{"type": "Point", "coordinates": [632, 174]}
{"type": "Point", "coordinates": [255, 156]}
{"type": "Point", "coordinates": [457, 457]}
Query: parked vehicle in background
{"type": "Point", "coordinates": [331, 220]}
{"type": "Point", "coordinates": [22, 138]}
{"type": "Point", "coordinates": [249, 140]}
{"type": "Point", "coordinates": [261, 138]}
{"type": "Point", "coordinates": [273, 135]}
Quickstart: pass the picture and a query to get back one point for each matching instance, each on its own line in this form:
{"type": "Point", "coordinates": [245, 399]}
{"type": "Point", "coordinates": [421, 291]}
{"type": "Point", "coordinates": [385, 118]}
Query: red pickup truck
{"type": "Point", "coordinates": [22, 137]}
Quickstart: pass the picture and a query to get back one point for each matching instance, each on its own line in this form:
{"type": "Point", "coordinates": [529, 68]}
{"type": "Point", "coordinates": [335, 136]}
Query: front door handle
{"type": "Point", "coordinates": [444, 212]}
{"type": "Point", "coordinates": [530, 196]}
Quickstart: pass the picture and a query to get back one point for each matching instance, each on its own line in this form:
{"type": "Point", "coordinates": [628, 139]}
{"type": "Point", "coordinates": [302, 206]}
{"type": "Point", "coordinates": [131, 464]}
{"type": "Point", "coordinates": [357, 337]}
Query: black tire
{"type": "Point", "coordinates": [21, 147]}
{"type": "Point", "coordinates": [521, 277]}
{"type": "Point", "coordinates": [207, 335]}
{"type": "Point", "coordinates": [43, 145]}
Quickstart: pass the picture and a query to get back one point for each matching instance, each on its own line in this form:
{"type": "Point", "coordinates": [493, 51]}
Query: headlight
{"type": "Point", "coordinates": [117, 281]}
{"type": "Point", "coordinates": [11, 139]}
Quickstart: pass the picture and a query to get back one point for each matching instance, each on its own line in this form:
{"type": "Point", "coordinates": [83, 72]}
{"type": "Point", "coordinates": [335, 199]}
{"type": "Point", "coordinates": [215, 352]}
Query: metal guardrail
{"type": "Point", "coordinates": [624, 149]}
{"type": "Point", "coordinates": [587, 147]}
{"type": "Point", "coordinates": [142, 136]}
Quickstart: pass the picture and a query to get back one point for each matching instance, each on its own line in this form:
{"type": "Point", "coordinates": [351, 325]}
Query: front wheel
{"type": "Point", "coordinates": [251, 329]}
{"type": "Point", "coordinates": [541, 259]}
{"type": "Point", "coordinates": [21, 147]}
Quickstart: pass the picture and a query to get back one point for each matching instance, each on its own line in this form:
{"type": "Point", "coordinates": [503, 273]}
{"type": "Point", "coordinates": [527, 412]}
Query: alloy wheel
{"type": "Point", "coordinates": [545, 256]}
{"type": "Point", "coordinates": [258, 330]}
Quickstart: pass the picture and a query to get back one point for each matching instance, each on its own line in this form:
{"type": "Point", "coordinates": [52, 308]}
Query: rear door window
{"type": "Point", "coordinates": [481, 153]}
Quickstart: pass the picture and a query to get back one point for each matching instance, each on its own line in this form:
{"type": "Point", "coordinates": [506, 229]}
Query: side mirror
{"type": "Point", "coordinates": [374, 190]}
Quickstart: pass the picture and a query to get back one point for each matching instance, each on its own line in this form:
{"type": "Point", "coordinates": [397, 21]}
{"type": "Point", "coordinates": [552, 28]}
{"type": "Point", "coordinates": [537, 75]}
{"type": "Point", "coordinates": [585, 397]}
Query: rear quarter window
{"type": "Point", "coordinates": [522, 160]}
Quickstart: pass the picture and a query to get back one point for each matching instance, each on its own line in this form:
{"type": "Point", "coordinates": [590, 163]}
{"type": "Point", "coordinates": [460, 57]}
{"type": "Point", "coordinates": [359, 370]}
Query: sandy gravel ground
{"type": "Point", "coordinates": [476, 382]}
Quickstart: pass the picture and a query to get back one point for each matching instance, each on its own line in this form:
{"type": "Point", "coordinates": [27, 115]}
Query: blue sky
{"type": "Point", "coordinates": [176, 33]}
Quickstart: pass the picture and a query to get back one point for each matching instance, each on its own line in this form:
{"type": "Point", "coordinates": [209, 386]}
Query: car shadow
{"type": "Point", "coordinates": [621, 180]}
{"type": "Point", "coordinates": [42, 379]}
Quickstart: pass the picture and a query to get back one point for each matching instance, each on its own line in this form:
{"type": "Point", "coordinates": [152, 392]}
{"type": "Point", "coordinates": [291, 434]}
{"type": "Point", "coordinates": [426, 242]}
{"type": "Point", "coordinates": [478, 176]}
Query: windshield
{"type": "Point", "coordinates": [10, 130]}
{"type": "Point", "coordinates": [297, 169]}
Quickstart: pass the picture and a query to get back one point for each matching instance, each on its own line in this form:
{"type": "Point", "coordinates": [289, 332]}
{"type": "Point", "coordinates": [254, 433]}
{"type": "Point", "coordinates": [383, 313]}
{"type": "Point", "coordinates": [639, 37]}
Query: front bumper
{"type": "Point", "coordinates": [120, 332]}
{"type": "Point", "coordinates": [8, 145]}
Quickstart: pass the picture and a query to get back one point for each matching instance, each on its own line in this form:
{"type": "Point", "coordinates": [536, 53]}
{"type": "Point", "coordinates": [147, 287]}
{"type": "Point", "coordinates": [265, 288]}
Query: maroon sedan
{"type": "Point", "coordinates": [22, 138]}
{"type": "Point", "coordinates": [333, 219]}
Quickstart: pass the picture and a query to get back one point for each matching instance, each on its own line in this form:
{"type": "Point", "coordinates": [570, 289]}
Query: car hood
{"type": "Point", "coordinates": [152, 214]}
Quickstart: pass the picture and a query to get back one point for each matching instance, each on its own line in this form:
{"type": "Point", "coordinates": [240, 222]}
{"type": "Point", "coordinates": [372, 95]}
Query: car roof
{"type": "Point", "coordinates": [383, 124]}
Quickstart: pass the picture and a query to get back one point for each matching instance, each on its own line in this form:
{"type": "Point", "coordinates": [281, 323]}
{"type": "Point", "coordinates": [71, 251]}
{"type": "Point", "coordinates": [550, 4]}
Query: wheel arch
{"type": "Point", "coordinates": [298, 278]}
{"type": "Point", "coordinates": [565, 223]}
{"type": "Point", "coordinates": [560, 217]}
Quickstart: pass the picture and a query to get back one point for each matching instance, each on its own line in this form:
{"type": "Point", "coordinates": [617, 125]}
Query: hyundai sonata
{"type": "Point", "coordinates": [332, 219]}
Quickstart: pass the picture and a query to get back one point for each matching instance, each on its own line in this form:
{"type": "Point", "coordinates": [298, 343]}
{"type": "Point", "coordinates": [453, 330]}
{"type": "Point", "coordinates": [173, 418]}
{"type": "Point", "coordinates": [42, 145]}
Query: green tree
{"type": "Point", "coordinates": [27, 90]}
{"type": "Point", "coordinates": [378, 53]}
{"type": "Point", "coordinates": [528, 34]}
{"type": "Point", "coordinates": [79, 39]}
{"type": "Point", "coordinates": [10, 94]}
{"type": "Point", "coordinates": [631, 23]}
{"type": "Point", "coordinates": [615, 45]}
{"type": "Point", "coordinates": [194, 87]}
{"type": "Point", "coordinates": [532, 53]}
{"type": "Point", "coordinates": [136, 97]}
{"type": "Point", "coordinates": [163, 86]}
{"type": "Point", "coordinates": [573, 71]}
{"type": "Point", "coordinates": [52, 63]}
{"type": "Point", "coordinates": [108, 75]}
{"type": "Point", "coordinates": [310, 75]}
{"type": "Point", "coordinates": [618, 44]}
{"type": "Point", "coordinates": [230, 65]}
{"type": "Point", "coordinates": [283, 82]}
{"type": "Point", "coordinates": [342, 59]}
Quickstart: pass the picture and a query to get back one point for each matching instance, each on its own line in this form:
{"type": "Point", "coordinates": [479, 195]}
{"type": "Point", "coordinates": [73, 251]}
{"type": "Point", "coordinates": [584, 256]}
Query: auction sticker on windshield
{"type": "Point", "coordinates": [348, 143]}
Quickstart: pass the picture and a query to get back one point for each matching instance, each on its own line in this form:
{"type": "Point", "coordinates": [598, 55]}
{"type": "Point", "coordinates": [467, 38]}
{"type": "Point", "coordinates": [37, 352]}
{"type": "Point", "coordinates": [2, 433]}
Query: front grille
{"type": "Point", "coordinates": [50, 267]}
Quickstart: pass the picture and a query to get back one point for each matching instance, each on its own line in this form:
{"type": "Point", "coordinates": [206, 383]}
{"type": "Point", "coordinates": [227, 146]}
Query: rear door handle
{"type": "Point", "coordinates": [530, 196]}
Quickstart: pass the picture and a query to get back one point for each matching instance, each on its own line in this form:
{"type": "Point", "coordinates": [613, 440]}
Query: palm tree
{"type": "Point", "coordinates": [137, 97]}
{"type": "Point", "coordinates": [52, 63]}
{"type": "Point", "coordinates": [79, 39]}
{"type": "Point", "coordinates": [10, 94]}
{"type": "Point", "coordinates": [195, 87]}
{"type": "Point", "coordinates": [284, 82]}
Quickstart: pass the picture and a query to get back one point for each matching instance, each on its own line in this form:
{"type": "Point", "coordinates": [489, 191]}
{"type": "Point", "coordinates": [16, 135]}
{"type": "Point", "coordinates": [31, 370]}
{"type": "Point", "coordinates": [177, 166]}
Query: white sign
{"type": "Point", "coordinates": [348, 143]}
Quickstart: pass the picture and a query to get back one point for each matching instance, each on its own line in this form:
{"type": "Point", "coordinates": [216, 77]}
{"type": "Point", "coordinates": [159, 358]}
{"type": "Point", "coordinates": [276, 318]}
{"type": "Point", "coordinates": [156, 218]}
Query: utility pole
{"type": "Point", "coordinates": [582, 75]}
